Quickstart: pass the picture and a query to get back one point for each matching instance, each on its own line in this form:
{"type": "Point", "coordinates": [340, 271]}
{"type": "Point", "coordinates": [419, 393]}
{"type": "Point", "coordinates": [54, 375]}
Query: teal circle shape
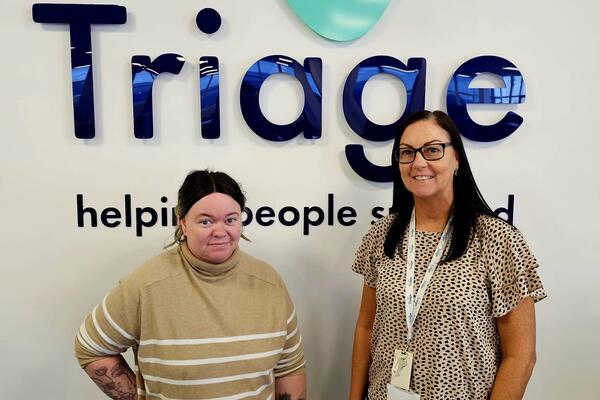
{"type": "Point", "coordinates": [339, 20]}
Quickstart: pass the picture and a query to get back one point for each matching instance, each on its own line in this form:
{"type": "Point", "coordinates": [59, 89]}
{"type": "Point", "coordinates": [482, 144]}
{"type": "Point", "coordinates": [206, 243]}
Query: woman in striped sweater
{"type": "Point", "coordinates": [204, 319]}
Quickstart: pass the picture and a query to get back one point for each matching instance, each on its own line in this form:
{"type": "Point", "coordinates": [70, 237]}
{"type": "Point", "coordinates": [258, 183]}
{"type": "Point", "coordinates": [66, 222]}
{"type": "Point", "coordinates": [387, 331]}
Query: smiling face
{"type": "Point", "coordinates": [213, 227]}
{"type": "Point", "coordinates": [428, 180]}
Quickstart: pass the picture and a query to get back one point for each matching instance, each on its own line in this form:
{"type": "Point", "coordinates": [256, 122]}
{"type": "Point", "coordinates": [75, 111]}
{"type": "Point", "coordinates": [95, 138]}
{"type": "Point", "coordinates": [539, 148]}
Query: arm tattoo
{"type": "Point", "coordinates": [119, 384]}
{"type": "Point", "coordinates": [287, 396]}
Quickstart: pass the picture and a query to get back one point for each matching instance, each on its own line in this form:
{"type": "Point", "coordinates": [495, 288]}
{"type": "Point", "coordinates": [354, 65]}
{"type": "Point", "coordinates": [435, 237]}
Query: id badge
{"type": "Point", "coordinates": [400, 394]}
{"type": "Point", "coordinates": [401, 369]}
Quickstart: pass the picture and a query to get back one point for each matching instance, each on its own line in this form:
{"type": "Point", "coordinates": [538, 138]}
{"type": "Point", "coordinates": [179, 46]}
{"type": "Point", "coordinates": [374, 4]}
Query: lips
{"type": "Point", "coordinates": [422, 177]}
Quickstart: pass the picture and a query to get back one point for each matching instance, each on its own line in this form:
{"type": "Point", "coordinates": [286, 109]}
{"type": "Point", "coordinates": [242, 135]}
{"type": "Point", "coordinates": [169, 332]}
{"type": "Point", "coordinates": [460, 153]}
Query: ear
{"type": "Point", "coordinates": [457, 159]}
{"type": "Point", "coordinates": [183, 224]}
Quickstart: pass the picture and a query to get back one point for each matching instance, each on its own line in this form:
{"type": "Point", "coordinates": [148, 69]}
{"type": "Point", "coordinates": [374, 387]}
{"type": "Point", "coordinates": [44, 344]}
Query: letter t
{"type": "Point", "coordinates": [80, 17]}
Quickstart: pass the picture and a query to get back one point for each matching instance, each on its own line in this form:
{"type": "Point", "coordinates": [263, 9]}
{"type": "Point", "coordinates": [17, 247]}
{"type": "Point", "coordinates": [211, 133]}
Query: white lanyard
{"type": "Point", "coordinates": [412, 302]}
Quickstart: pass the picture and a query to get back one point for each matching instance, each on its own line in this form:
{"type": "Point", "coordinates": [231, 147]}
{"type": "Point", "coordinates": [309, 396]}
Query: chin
{"type": "Point", "coordinates": [419, 193]}
{"type": "Point", "coordinates": [219, 257]}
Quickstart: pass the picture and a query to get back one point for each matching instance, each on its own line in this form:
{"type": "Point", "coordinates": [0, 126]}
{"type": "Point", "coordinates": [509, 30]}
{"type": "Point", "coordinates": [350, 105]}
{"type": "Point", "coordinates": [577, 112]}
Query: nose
{"type": "Point", "coordinates": [219, 230]}
{"type": "Point", "coordinates": [419, 160]}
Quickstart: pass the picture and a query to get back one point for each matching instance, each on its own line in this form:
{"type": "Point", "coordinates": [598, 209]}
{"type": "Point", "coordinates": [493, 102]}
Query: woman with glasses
{"type": "Point", "coordinates": [205, 319]}
{"type": "Point", "coordinates": [447, 308]}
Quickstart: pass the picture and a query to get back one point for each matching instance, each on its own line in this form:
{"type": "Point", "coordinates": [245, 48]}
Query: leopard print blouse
{"type": "Point", "coordinates": [455, 342]}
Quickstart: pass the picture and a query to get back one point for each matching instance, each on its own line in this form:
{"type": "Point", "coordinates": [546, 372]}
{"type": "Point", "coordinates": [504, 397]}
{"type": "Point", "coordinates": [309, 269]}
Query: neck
{"type": "Point", "coordinates": [432, 216]}
{"type": "Point", "coordinates": [207, 270]}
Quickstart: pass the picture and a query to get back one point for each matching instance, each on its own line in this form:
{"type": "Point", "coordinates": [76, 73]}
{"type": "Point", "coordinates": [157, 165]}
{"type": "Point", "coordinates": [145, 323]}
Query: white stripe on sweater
{"type": "Point", "coordinates": [206, 381]}
{"type": "Point", "coordinates": [291, 316]}
{"type": "Point", "coordinates": [205, 361]}
{"type": "Point", "coordinates": [289, 361]}
{"type": "Point", "coordinates": [113, 323]}
{"type": "Point", "coordinates": [83, 343]}
{"type": "Point", "coordinates": [238, 396]}
{"type": "Point", "coordinates": [293, 348]}
{"type": "Point", "coordinates": [97, 348]}
{"type": "Point", "coordinates": [104, 335]}
{"type": "Point", "coordinates": [292, 334]}
{"type": "Point", "coordinates": [278, 374]}
{"type": "Point", "coordinates": [226, 339]}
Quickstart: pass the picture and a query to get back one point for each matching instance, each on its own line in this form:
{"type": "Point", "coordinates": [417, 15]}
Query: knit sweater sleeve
{"type": "Point", "coordinates": [112, 327]}
{"type": "Point", "coordinates": [292, 360]}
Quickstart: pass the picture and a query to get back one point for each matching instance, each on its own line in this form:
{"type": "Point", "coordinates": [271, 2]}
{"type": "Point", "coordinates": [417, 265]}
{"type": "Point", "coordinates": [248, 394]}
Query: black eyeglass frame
{"type": "Point", "coordinates": [397, 152]}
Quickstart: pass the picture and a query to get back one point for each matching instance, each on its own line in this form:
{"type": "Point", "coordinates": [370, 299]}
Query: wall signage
{"type": "Point", "coordinates": [144, 71]}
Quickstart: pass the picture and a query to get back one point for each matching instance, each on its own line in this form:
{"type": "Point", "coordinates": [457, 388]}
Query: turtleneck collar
{"type": "Point", "coordinates": [209, 270]}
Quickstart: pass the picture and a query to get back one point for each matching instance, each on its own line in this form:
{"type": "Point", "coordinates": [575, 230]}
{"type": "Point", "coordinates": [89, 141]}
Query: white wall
{"type": "Point", "coordinates": [54, 272]}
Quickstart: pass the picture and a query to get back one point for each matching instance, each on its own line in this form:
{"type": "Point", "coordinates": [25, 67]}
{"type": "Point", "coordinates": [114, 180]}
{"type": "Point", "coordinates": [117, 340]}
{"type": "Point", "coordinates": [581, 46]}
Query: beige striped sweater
{"type": "Point", "coordinates": [198, 330]}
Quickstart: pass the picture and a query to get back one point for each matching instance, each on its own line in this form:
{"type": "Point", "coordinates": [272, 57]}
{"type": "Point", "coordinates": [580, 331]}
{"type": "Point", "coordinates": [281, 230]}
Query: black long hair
{"type": "Point", "coordinates": [468, 201]}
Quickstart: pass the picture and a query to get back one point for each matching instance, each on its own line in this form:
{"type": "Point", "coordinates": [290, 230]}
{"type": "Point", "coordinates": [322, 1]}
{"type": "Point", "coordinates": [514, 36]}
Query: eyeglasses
{"type": "Point", "coordinates": [430, 152]}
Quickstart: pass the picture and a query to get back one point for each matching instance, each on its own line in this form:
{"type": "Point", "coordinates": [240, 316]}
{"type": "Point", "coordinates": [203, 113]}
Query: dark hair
{"type": "Point", "coordinates": [468, 201]}
{"type": "Point", "coordinates": [198, 184]}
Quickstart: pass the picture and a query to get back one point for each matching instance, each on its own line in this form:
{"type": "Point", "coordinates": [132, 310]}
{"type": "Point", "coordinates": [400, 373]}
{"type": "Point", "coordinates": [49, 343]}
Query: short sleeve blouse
{"type": "Point", "coordinates": [455, 341]}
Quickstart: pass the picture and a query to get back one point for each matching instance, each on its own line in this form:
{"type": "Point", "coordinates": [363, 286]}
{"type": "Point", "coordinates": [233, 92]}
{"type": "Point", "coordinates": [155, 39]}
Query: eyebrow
{"type": "Point", "coordinates": [212, 216]}
{"type": "Point", "coordinates": [424, 144]}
